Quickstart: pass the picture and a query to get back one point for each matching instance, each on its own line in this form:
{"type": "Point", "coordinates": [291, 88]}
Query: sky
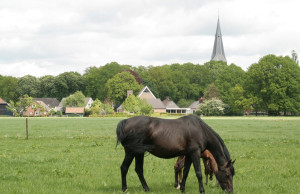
{"type": "Point", "coordinates": [42, 37]}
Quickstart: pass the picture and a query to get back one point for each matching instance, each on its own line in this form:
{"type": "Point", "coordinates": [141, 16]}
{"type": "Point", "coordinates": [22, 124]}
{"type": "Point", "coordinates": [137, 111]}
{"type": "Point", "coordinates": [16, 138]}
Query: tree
{"type": "Point", "coordinates": [8, 88]}
{"type": "Point", "coordinates": [75, 100]}
{"type": "Point", "coordinates": [184, 103]}
{"type": "Point", "coordinates": [275, 83]}
{"type": "Point", "coordinates": [96, 78]}
{"type": "Point", "coordinates": [68, 83]}
{"type": "Point", "coordinates": [106, 107]}
{"type": "Point", "coordinates": [28, 85]}
{"type": "Point", "coordinates": [136, 105]}
{"type": "Point", "coordinates": [47, 87]}
{"type": "Point", "coordinates": [20, 107]}
{"type": "Point", "coordinates": [117, 87]}
{"type": "Point", "coordinates": [212, 92]}
{"type": "Point", "coordinates": [159, 76]}
{"type": "Point", "coordinates": [238, 102]}
{"type": "Point", "coordinates": [231, 76]}
{"type": "Point", "coordinates": [132, 104]}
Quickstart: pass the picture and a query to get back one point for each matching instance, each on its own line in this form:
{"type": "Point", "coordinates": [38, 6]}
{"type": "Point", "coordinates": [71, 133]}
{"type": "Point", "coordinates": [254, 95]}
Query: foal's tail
{"type": "Point", "coordinates": [120, 131]}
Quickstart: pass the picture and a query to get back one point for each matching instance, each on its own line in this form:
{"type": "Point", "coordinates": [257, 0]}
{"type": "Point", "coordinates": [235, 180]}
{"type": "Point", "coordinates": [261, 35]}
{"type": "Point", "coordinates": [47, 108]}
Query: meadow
{"type": "Point", "coordinates": [79, 155]}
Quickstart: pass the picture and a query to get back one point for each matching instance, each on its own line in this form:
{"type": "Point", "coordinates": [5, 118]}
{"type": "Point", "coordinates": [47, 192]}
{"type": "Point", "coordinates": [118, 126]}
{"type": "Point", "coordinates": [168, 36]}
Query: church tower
{"type": "Point", "coordinates": [218, 52]}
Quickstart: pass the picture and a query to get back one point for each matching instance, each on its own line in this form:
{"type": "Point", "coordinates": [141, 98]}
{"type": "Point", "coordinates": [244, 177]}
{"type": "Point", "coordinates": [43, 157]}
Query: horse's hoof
{"type": "Point", "coordinates": [146, 189]}
{"type": "Point", "coordinates": [178, 187]}
{"type": "Point", "coordinates": [125, 190]}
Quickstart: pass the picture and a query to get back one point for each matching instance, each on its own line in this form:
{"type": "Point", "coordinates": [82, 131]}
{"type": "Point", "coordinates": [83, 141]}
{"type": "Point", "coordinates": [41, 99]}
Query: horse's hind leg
{"type": "Point", "coordinates": [176, 173]}
{"type": "Point", "coordinates": [139, 163]}
{"type": "Point", "coordinates": [124, 169]}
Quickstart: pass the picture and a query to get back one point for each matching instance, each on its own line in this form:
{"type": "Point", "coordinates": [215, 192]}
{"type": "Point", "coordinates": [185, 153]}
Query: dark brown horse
{"type": "Point", "coordinates": [168, 138]}
{"type": "Point", "coordinates": [209, 162]}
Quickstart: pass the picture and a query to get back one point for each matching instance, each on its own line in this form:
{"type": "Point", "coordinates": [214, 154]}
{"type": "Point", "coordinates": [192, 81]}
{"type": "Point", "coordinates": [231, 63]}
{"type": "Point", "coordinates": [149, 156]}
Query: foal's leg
{"type": "Point", "coordinates": [206, 169]}
{"type": "Point", "coordinates": [196, 162]}
{"type": "Point", "coordinates": [139, 163]}
{"type": "Point", "coordinates": [124, 169]}
{"type": "Point", "coordinates": [187, 165]}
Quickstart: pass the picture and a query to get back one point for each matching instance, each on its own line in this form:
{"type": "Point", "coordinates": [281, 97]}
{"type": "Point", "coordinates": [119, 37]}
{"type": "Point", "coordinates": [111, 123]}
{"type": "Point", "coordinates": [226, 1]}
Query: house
{"type": "Point", "coordinates": [146, 94]}
{"type": "Point", "coordinates": [158, 106]}
{"type": "Point", "coordinates": [171, 107]}
{"type": "Point", "coordinates": [156, 103]}
{"type": "Point", "coordinates": [88, 103]}
{"type": "Point", "coordinates": [195, 105]}
{"type": "Point", "coordinates": [38, 108]}
{"type": "Point", "coordinates": [74, 111]}
{"type": "Point", "coordinates": [3, 108]}
{"type": "Point", "coordinates": [52, 103]}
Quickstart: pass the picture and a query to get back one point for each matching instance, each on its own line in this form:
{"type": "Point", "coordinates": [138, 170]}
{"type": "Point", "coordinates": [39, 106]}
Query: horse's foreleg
{"type": "Point", "coordinates": [139, 163]}
{"type": "Point", "coordinates": [187, 165]}
{"type": "Point", "coordinates": [124, 169]}
{"type": "Point", "coordinates": [195, 157]}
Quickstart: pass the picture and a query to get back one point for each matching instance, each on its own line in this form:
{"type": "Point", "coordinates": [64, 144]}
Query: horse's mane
{"type": "Point", "coordinates": [226, 152]}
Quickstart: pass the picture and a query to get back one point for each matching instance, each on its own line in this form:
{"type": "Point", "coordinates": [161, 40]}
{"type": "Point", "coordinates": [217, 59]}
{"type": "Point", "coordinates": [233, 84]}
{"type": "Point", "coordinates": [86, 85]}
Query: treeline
{"type": "Point", "coordinates": [272, 85]}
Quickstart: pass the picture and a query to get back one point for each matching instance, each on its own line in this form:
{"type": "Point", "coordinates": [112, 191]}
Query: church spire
{"type": "Point", "coordinates": [218, 52]}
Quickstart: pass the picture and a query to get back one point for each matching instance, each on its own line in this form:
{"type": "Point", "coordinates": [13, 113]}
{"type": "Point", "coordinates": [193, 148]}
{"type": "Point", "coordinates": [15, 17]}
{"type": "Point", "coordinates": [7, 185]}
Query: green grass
{"type": "Point", "coordinates": [78, 155]}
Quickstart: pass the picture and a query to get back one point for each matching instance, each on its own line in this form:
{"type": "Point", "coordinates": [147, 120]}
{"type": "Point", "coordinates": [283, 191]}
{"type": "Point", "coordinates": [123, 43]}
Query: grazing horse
{"type": "Point", "coordinates": [168, 138]}
{"type": "Point", "coordinates": [209, 162]}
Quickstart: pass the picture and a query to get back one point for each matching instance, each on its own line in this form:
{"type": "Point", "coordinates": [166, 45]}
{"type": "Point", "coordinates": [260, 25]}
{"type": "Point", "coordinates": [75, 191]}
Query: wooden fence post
{"type": "Point", "coordinates": [26, 128]}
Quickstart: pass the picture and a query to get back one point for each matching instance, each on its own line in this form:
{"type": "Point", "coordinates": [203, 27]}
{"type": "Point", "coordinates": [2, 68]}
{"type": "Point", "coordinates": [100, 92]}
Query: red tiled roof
{"type": "Point", "coordinates": [78, 110]}
{"type": "Point", "coordinates": [2, 101]}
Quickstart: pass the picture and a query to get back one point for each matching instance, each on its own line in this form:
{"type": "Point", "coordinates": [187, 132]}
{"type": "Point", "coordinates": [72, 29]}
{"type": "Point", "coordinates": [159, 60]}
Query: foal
{"type": "Point", "coordinates": [209, 162]}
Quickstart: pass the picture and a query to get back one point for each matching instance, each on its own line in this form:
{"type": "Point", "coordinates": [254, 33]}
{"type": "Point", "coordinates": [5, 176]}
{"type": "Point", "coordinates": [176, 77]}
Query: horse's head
{"type": "Point", "coordinates": [225, 176]}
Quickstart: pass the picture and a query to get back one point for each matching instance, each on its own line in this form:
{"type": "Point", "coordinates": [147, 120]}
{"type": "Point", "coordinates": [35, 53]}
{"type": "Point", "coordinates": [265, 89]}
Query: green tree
{"type": "Point", "coordinates": [106, 107]}
{"type": "Point", "coordinates": [215, 69]}
{"type": "Point", "coordinates": [75, 100]}
{"type": "Point", "coordinates": [238, 102]}
{"type": "Point", "coordinates": [184, 103]}
{"type": "Point", "coordinates": [28, 85]}
{"type": "Point", "coordinates": [132, 104]}
{"type": "Point", "coordinates": [136, 105]}
{"type": "Point", "coordinates": [8, 88]}
{"type": "Point", "coordinates": [274, 83]}
{"type": "Point", "coordinates": [21, 106]}
{"type": "Point", "coordinates": [68, 83]}
{"type": "Point", "coordinates": [47, 87]}
{"type": "Point", "coordinates": [159, 76]}
{"type": "Point", "coordinates": [96, 78]}
{"type": "Point", "coordinates": [118, 85]}
{"type": "Point", "coordinates": [230, 77]}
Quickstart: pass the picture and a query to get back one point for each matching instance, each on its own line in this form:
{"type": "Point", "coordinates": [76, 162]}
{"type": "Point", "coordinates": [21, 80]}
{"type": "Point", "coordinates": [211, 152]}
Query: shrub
{"type": "Point", "coordinates": [212, 107]}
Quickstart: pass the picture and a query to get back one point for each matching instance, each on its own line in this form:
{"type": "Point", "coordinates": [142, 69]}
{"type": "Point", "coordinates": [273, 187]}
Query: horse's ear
{"type": "Point", "coordinates": [228, 163]}
{"type": "Point", "coordinates": [233, 161]}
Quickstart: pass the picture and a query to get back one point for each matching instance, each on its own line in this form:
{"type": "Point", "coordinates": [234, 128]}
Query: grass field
{"type": "Point", "coordinates": [78, 155]}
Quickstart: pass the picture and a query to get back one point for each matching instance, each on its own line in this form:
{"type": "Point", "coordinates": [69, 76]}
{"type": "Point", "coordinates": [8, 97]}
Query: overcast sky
{"type": "Point", "coordinates": [43, 37]}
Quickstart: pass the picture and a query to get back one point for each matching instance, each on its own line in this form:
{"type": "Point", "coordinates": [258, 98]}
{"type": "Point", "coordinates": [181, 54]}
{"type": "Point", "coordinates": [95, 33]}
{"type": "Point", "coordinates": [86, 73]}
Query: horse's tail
{"type": "Point", "coordinates": [120, 131]}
